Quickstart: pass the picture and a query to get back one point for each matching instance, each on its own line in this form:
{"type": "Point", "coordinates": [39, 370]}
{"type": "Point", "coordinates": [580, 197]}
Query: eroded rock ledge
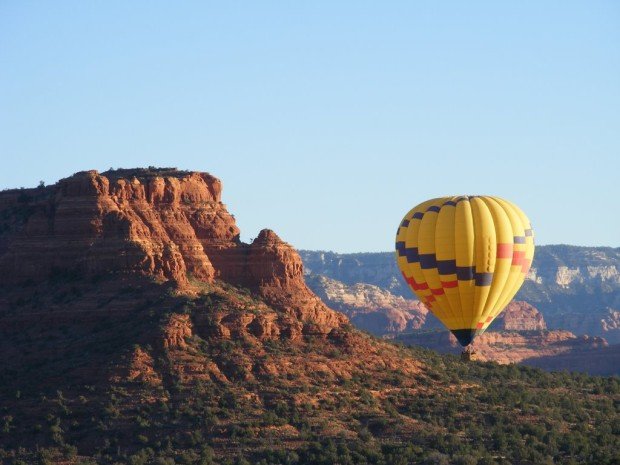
{"type": "Point", "coordinates": [164, 223]}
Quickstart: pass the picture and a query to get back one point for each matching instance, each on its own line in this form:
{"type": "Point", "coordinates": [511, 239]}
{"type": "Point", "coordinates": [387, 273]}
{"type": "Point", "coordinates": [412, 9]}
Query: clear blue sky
{"type": "Point", "coordinates": [327, 121]}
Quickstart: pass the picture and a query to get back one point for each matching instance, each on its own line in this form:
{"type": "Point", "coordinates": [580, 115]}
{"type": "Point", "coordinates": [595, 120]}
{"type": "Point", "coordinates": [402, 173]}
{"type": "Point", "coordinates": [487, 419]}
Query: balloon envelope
{"type": "Point", "coordinates": [465, 257]}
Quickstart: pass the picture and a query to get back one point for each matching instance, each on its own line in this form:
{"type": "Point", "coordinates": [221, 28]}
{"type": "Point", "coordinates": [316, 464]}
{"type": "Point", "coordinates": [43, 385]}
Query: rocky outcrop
{"type": "Point", "coordinates": [98, 223]}
{"type": "Point", "coordinates": [141, 368]}
{"type": "Point", "coordinates": [519, 316]}
{"type": "Point", "coordinates": [611, 321]}
{"type": "Point", "coordinates": [164, 224]}
{"type": "Point", "coordinates": [273, 269]}
{"type": "Point", "coordinates": [177, 329]}
{"type": "Point", "coordinates": [369, 307]}
{"type": "Point", "coordinates": [565, 276]}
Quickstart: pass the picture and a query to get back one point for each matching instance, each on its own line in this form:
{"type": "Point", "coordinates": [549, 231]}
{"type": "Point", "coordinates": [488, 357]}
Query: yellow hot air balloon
{"type": "Point", "coordinates": [465, 257]}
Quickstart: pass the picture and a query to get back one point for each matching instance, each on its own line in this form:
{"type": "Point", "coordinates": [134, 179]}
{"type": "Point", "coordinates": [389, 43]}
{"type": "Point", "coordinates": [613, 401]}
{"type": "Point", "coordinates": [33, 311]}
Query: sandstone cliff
{"type": "Point", "coordinates": [152, 222]}
{"type": "Point", "coordinates": [166, 224]}
{"type": "Point", "coordinates": [369, 307]}
{"type": "Point", "coordinates": [519, 316]}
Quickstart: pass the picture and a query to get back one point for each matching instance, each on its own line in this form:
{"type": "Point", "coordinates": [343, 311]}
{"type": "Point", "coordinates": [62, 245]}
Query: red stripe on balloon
{"type": "Point", "coordinates": [504, 250]}
{"type": "Point", "coordinates": [517, 257]}
{"type": "Point", "coordinates": [525, 267]}
{"type": "Point", "coordinates": [414, 285]}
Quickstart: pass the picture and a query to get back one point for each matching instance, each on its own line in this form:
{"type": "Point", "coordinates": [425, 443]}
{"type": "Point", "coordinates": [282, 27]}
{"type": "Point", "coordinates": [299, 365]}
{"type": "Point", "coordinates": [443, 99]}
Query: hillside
{"type": "Point", "coordinates": [137, 328]}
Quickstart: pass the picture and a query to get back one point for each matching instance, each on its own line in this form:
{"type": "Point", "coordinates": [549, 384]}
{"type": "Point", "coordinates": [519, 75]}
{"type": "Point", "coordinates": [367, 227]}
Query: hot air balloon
{"type": "Point", "coordinates": [465, 257]}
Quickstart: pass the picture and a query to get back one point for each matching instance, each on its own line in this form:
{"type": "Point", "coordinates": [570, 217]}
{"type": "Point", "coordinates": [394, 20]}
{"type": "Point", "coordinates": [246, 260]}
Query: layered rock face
{"type": "Point", "coordinates": [519, 316]}
{"type": "Point", "coordinates": [163, 223]}
{"type": "Point", "coordinates": [369, 307]}
{"type": "Point", "coordinates": [149, 222]}
{"type": "Point", "coordinates": [275, 270]}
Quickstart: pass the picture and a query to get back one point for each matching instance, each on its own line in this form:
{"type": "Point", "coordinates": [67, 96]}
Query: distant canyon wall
{"type": "Point", "coordinates": [575, 288]}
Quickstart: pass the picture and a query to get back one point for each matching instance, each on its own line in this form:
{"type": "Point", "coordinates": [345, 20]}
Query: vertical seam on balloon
{"type": "Point", "coordinates": [467, 303]}
{"type": "Point", "coordinates": [453, 312]}
{"type": "Point", "coordinates": [447, 312]}
{"type": "Point", "coordinates": [514, 277]}
{"type": "Point", "coordinates": [493, 310]}
{"type": "Point", "coordinates": [458, 294]}
{"type": "Point", "coordinates": [411, 267]}
{"type": "Point", "coordinates": [478, 290]}
{"type": "Point", "coordinates": [505, 296]}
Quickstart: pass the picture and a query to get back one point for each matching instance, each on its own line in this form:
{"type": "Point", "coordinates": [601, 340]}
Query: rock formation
{"type": "Point", "coordinates": [369, 307]}
{"type": "Point", "coordinates": [519, 316]}
{"type": "Point", "coordinates": [152, 222]}
{"type": "Point", "coordinates": [167, 224]}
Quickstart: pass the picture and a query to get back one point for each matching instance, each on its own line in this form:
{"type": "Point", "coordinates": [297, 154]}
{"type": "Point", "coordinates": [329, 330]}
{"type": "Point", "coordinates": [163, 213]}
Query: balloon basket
{"type": "Point", "coordinates": [469, 354]}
